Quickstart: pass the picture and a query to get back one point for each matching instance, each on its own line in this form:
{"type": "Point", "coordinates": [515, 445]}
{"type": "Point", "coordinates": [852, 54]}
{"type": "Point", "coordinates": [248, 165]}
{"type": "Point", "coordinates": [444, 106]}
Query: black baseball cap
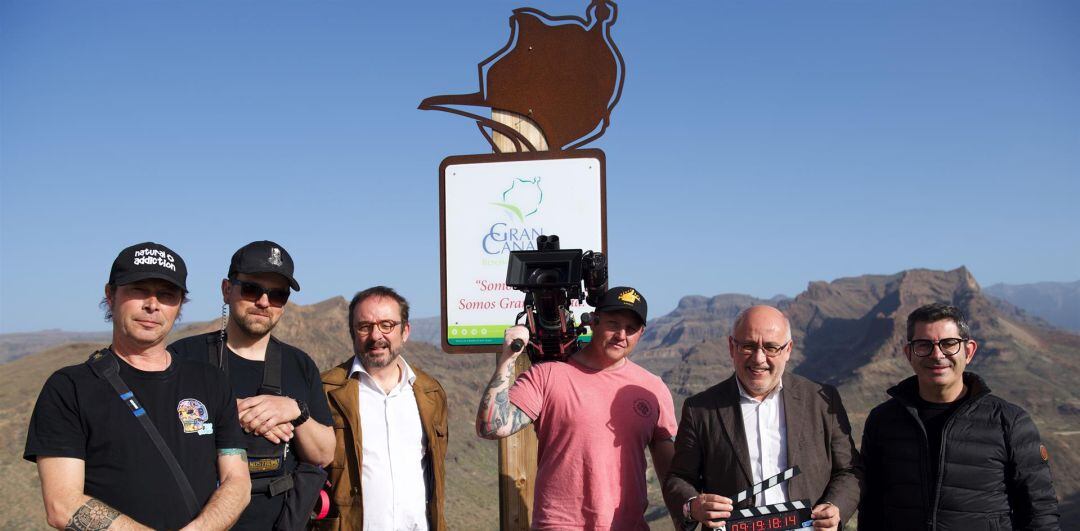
{"type": "Point", "coordinates": [148, 260]}
{"type": "Point", "coordinates": [263, 257]}
{"type": "Point", "coordinates": [624, 298]}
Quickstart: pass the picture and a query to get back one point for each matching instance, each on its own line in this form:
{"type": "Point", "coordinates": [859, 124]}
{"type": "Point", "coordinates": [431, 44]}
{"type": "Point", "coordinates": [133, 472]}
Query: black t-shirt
{"type": "Point", "coordinates": [79, 415]}
{"type": "Point", "coordinates": [934, 416]}
{"type": "Point", "coordinates": [299, 380]}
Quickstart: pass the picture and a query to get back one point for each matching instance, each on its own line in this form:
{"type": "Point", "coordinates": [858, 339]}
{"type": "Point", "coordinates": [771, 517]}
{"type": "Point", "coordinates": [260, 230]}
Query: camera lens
{"type": "Point", "coordinates": [544, 276]}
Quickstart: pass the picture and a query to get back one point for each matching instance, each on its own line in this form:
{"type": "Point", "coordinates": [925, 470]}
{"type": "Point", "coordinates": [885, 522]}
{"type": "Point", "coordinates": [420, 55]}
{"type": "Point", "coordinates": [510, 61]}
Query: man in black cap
{"type": "Point", "coordinates": [135, 438]}
{"type": "Point", "coordinates": [594, 417]}
{"type": "Point", "coordinates": [282, 408]}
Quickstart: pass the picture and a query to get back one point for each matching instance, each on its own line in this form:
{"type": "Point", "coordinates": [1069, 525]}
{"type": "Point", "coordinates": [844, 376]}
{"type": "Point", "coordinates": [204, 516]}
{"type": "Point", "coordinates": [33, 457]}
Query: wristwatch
{"type": "Point", "coordinates": [686, 510]}
{"type": "Point", "coordinates": [304, 413]}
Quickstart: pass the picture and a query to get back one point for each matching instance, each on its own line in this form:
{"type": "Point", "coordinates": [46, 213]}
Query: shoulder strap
{"type": "Point", "coordinates": [271, 383]}
{"type": "Point", "coordinates": [104, 365]}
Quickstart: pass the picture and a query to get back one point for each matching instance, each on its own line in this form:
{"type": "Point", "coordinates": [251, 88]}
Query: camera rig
{"type": "Point", "coordinates": [552, 278]}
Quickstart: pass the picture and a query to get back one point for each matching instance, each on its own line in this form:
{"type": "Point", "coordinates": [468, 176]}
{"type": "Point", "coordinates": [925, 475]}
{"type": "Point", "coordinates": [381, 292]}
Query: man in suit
{"type": "Point", "coordinates": [755, 425]}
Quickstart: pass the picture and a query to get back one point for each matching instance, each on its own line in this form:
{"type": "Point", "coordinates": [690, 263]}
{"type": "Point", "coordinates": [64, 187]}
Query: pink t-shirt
{"type": "Point", "coordinates": [593, 428]}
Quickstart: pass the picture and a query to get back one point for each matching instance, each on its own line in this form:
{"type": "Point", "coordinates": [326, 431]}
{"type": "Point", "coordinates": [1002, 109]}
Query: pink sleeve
{"type": "Point", "coordinates": [666, 426]}
{"type": "Point", "coordinates": [527, 393]}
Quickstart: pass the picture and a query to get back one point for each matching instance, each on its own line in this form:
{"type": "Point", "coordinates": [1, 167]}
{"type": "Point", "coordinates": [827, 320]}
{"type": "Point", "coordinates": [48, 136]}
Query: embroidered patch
{"type": "Point", "coordinates": [192, 415]}
{"type": "Point", "coordinates": [264, 465]}
{"type": "Point", "coordinates": [1043, 453]}
{"type": "Point", "coordinates": [629, 297]}
{"type": "Point", "coordinates": [642, 408]}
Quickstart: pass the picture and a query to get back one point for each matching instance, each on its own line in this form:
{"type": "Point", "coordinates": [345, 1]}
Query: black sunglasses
{"type": "Point", "coordinates": [252, 292]}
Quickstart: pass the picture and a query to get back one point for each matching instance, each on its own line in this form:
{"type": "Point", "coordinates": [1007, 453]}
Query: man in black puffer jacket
{"type": "Point", "coordinates": [943, 453]}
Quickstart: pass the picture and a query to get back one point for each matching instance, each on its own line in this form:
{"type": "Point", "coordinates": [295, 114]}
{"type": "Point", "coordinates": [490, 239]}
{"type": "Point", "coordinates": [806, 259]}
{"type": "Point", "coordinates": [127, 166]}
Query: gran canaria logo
{"type": "Point", "coordinates": [520, 201]}
{"type": "Point", "coordinates": [523, 198]}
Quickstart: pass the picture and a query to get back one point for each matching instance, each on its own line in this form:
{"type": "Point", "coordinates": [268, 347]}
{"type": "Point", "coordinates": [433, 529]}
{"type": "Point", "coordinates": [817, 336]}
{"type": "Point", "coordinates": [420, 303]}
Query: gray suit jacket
{"type": "Point", "coordinates": [711, 453]}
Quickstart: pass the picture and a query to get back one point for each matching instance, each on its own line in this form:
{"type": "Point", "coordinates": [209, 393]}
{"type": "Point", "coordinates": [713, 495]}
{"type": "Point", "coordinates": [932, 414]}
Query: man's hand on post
{"type": "Point", "coordinates": [826, 516]}
{"type": "Point", "coordinates": [261, 413]}
{"type": "Point", "coordinates": [711, 510]}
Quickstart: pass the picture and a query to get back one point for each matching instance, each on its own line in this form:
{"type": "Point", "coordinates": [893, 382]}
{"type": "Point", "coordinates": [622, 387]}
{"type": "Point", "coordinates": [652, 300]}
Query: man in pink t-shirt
{"type": "Point", "coordinates": [594, 417]}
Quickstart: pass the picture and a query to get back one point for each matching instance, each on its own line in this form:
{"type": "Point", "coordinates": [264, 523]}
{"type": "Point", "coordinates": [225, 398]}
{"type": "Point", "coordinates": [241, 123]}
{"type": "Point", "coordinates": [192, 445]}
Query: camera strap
{"type": "Point", "coordinates": [105, 366]}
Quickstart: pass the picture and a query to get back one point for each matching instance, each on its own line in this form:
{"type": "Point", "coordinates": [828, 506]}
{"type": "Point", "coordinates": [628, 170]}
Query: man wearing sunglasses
{"type": "Point", "coordinates": [280, 402]}
{"type": "Point", "coordinates": [943, 452]}
{"type": "Point", "coordinates": [757, 424]}
{"type": "Point", "coordinates": [390, 418]}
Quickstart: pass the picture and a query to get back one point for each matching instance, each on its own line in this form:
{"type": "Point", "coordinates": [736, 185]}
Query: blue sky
{"type": "Point", "coordinates": [758, 145]}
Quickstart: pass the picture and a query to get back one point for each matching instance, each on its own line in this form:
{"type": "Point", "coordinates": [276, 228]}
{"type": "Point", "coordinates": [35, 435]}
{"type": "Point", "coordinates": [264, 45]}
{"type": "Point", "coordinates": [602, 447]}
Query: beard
{"type": "Point", "coordinates": [254, 326]}
{"type": "Point", "coordinates": [378, 361]}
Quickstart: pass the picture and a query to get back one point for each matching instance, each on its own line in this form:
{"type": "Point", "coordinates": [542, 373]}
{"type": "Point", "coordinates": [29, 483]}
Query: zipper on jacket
{"type": "Point", "coordinates": [963, 409]}
{"type": "Point", "coordinates": [924, 450]}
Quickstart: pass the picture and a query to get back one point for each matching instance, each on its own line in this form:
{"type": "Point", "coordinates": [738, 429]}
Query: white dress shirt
{"type": "Point", "coordinates": [392, 479]}
{"type": "Point", "coordinates": [766, 437]}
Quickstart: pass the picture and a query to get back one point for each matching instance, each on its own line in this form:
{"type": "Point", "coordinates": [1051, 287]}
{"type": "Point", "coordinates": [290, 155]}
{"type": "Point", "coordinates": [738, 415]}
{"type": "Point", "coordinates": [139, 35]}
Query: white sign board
{"type": "Point", "coordinates": [494, 204]}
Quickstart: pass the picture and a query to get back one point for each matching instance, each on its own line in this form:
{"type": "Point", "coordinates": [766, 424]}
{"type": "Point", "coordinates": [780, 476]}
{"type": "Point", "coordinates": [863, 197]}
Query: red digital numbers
{"type": "Point", "coordinates": [766, 523]}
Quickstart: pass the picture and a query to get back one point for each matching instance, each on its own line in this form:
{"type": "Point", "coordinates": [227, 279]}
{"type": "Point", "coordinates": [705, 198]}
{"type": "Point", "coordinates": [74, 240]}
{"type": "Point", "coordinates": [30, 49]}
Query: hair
{"type": "Point", "coordinates": [107, 308]}
{"type": "Point", "coordinates": [377, 291]}
{"type": "Point", "coordinates": [932, 313]}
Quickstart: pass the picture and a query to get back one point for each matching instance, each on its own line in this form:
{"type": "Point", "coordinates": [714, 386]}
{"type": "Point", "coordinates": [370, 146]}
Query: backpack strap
{"type": "Point", "coordinates": [105, 366]}
{"type": "Point", "coordinates": [271, 383]}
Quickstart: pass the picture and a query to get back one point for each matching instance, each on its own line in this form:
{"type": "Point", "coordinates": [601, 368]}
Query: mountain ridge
{"type": "Point", "coordinates": [848, 332]}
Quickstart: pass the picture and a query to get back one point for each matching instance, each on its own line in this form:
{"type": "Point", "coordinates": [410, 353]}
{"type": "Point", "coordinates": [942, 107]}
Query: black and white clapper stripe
{"type": "Point", "coordinates": [770, 509]}
{"type": "Point", "coordinates": [767, 484]}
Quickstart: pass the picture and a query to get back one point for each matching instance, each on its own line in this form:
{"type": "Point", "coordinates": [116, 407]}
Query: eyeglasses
{"type": "Point", "coordinates": [924, 347]}
{"type": "Point", "coordinates": [750, 348]}
{"type": "Point", "coordinates": [386, 326]}
{"type": "Point", "coordinates": [252, 292]}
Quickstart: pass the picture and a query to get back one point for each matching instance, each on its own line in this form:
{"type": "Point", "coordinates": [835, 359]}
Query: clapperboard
{"type": "Point", "coordinates": [777, 516]}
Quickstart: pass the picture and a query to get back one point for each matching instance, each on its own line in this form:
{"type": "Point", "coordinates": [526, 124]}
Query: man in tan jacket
{"type": "Point", "coordinates": [402, 414]}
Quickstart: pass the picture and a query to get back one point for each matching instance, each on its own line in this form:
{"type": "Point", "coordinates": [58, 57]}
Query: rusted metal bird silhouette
{"type": "Point", "coordinates": [562, 72]}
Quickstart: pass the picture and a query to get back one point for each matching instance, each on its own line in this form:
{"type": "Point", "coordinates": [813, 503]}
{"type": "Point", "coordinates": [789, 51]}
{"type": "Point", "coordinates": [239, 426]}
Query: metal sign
{"type": "Point", "coordinates": [564, 73]}
{"type": "Point", "coordinates": [491, 205]}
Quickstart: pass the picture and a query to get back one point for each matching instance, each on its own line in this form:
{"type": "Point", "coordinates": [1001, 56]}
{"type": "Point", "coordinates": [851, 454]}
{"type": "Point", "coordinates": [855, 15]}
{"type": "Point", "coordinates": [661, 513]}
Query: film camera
{"type": "Point", "coordinates": [551, 278]}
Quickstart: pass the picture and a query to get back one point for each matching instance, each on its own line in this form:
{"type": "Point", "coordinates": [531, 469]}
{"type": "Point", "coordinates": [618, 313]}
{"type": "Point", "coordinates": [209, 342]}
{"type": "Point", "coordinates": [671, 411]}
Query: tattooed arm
{"type": "Point", "coordinates": [66, 507]}
{"type": "Point", "coordinates": [232, 494]}
{"type": "Point", "coordinates": [497, 417]}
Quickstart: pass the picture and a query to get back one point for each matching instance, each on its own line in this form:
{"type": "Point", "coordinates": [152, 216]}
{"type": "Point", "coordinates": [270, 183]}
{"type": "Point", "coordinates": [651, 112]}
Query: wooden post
{"type": "Point", "coordinates": [517, 453]}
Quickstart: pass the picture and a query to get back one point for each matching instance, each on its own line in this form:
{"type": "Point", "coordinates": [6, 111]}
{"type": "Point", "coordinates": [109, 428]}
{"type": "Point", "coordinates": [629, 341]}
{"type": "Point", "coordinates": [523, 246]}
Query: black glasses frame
{"type": "Point", "coordinates": [924, 342]}
{"type": "Point", "coordinates": [252, 292]}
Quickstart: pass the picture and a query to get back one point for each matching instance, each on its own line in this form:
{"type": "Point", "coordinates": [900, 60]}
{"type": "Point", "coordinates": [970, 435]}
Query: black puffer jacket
{"type": "Point", "coordinates": [992, 474]}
